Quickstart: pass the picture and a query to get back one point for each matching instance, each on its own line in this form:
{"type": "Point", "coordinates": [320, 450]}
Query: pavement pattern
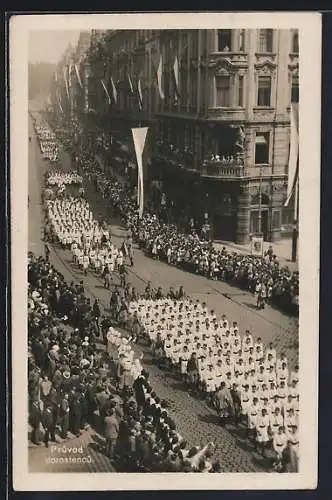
{"type": "Point", "coordinates": [195, 420]}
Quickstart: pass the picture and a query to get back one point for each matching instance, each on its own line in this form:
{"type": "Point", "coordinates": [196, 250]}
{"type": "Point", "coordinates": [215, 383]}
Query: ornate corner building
{"type": "Point", "coordinates": [219, 137]}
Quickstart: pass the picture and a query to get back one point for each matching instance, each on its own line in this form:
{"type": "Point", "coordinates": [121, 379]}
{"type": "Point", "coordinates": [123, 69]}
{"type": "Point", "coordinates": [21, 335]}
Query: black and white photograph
{"type": "Point", "coordinates": [167, 277]}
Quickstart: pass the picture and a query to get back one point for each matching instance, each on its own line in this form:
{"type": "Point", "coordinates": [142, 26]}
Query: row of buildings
{"type": "Point", "coordinates": [217, 104]}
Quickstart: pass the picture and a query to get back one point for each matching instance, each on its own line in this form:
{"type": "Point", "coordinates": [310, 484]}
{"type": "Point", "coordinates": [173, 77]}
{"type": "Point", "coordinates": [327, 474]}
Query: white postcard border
{"type": "Point", "coordinates": [309, 25]}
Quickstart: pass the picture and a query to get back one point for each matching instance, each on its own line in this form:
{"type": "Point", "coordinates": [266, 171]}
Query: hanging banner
{"type": "Point", "coordinates": [176, 77]}
{"type": "Point", "coordinates": [160, 77]}
{"type": "Point", "coordinates": [140, 94]}
{"type": "Point", "coordinates": [65, 69]}
{"type": "Point", "coordinates": [139, 137]}
{"type": "Point", "coordinates": [115, 94]}
{"type": "Point", "coordinates": [130, 84]}
{"type": "Point", "coordinates": [257, 246]}
{"type": "Point", "coordinates": [78, 76]}
{"type": "Point", "coordinates": [69, 74]}
{"type": "Point", "coordinates": [106, 91]}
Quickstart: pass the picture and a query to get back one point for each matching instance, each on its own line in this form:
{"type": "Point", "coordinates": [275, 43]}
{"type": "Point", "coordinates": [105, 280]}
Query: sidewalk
{"type": "Point", "coordinates": [282, 249]}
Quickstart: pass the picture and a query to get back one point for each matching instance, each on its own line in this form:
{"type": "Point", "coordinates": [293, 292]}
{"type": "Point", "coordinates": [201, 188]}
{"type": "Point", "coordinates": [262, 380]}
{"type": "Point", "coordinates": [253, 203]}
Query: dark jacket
{"type": "Point", "coordinates": [47, 418]}
{"type": "Point", "coordinates": [35, 415]}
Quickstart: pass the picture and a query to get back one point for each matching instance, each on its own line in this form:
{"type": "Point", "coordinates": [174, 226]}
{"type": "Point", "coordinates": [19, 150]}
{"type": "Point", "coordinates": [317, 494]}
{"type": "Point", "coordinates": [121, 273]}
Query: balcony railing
{"type": "Point", "coordinates": [219, 169]}
{"type": "Point", "coordinates": [232, 169]}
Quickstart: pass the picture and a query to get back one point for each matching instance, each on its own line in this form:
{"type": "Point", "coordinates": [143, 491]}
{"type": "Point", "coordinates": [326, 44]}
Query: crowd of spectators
{"type": "Point", "coordinates": [195, 254]}
{"type": "Point", "coordinates": [82, 372]}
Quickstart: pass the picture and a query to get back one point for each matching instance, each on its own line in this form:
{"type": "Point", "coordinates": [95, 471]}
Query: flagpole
{"type": "Point", "coordinates": [179, 63]}
{"type": "Point", "coordinates": [295, 234]}
{"type": "Point", "coordinates": [150, 83]}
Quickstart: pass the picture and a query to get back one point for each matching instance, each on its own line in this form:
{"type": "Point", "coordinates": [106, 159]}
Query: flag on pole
{"type": "Point", "coordinates": [115, 94]}
{"type": "Point", "coordinates": [130, 84]}
{"type": "Point", "coordinates": [69, 73]}
{"type": "Point", "coordinates": [160, 78]}
{"type": "Point", "coordinates": [139, 137]}
{"type": "Point", "coordinates": [293, 161]}
{"type": "Point", "coordinates": [59, 101]}
{"type": "Point", "coordinates": [106, 91]}
{"type": "Point", "coordinates": [176, 77]}
{"type": "Point", "coordinates": [65, 78]}
{"type": "Point", "coordinates": [140, 94]}
{"type": "Point", "coordinates": [78, 76]}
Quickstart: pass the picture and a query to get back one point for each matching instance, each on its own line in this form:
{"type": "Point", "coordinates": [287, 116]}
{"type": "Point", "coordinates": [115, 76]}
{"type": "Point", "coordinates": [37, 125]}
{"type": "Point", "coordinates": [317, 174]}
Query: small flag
{"type": "Point", "coordinates": [140, 94]}
{"type": "Point", "coordinates": [115, 94]}
{"type": "Point", "coordinates": [59, 101]}
{"type": "Point", "coordinates": [159, 78]}
{"type": "Point", "coordinates": [69, 73]}
{"type": "Point", "coordinates": [78, 76]}
{"type": "Point", "coordinates": [130, 84]}
{"type": "Point", "coordinates": [65, 78]}
{"type": "Point", "coordinates": [106, 91]}
{"type": "Point", "coordinates": [176, 76]}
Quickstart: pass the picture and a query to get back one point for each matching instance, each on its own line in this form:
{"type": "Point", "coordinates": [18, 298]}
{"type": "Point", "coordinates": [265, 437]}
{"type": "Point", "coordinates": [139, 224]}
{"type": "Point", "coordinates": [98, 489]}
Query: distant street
{"type": "Point", "coordinates": [194, 419]}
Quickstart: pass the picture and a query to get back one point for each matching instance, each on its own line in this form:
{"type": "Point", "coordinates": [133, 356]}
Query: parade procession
{"type": "Point", "coordinates": [162, 322]}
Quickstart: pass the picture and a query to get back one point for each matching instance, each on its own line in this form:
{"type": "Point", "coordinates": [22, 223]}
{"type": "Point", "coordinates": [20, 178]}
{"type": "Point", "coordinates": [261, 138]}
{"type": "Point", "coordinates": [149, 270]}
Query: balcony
{"type": "Point", "coordinates": [232, 169]}
{"type": "Point", "coordinates": [226, 114]}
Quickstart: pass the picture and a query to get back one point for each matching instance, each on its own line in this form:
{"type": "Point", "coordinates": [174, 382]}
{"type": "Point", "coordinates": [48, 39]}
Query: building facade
{"type": "Point", "coordinates": [219, 134]}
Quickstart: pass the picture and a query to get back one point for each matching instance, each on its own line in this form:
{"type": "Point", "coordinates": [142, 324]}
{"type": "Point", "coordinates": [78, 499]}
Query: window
{"type": "Point", "coordinates": [186, 137]}
{"type": "Point", "coordinates": [240, 96]}
{"type": "Point", "coordinates": [295, 42]}
{"type": "Point", "coordinates": [193, 92]}
{"type": "Point", "coordinates": [241, 40]}
{"type": "Point", "coordinates": [295, 89]}
{"type": "Point", "coordinates": [262, 148]}
{"type": "Point", "coordinates": [224, 40]}
{"type": "Point", "coordinates": [223, 91]}
{"type": "Point", "coordinates": [265, 40]}
{"type": "Point", "coordinates": [183, 87]}
{"type": "Point", "coordinates": [264, 91]}
{"type": "Point", "coordinates": [276, 219]}
{"type": "Point", "coordinates": [194, 44]}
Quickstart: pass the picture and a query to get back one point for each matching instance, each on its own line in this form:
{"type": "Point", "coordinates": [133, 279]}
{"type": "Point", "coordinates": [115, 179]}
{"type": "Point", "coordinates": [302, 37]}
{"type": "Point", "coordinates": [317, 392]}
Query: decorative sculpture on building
{"type": "Point", "coordinates": [240, 140]}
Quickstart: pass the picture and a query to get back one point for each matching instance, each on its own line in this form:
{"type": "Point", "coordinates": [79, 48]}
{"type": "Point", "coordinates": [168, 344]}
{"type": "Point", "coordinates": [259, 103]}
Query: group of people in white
{"type": "Point", "coordinates": [58, 178]}
{"type": "Point", "coordinates": [211, 354]}
{"type": "Point", "coordinates": [71, 220]}
{"type": "Point", "coordinates": [120, 349]}
{"type": "Point", "coordinates": [47, 141]}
